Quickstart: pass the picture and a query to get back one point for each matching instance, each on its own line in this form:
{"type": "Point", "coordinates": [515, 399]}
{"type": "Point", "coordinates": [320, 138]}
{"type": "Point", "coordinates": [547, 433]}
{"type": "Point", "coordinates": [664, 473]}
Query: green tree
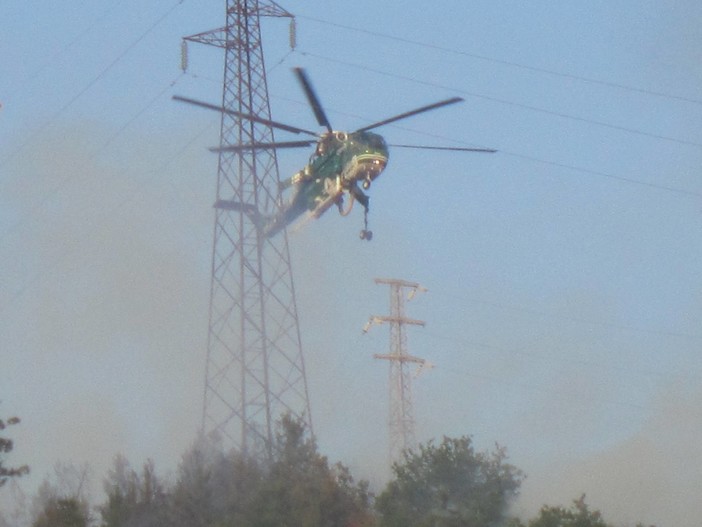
{"type": "Point", "coordinates": [578, 515]}
{"type": "Point", "coordinates": [301, 489]}
{"type": "Point", "coordinates": [297, 488]}
{"type": "Point", "coordinates": [449, 484]}
{"type": "Point", "coordinates": [6, 446]}
{"type": "Point", "coordinates": [192, 497]}
{"type": "Point", "coordinates": [132, 498]}
{"type": "Point", "coordinates": [214, 488]}
{"type": "Point", "coordinates": [62, 512]}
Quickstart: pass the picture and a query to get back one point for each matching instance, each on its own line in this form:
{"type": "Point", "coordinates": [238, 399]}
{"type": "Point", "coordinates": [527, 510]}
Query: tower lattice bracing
{"type": "Point", "coordinates": [255, 369]}
{"type": "Point", "coordinates": [401, 416]}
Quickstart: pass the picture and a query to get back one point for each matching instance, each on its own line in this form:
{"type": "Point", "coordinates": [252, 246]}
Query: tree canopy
{"type": "Point", "coordinates": [577, 515]}
{"type": "Point", "coordinates": [302, 489]}
{"type": "Point", "coordinates": [62, 512]}
{"type": "Point", "coordinates": [444, 484]}
{"type": "Point", "coordinates": [449, 484]}
{"type": "Point", "coordinates": [6, 445]}
{"type": "Point", "coordinates": [296, 488]}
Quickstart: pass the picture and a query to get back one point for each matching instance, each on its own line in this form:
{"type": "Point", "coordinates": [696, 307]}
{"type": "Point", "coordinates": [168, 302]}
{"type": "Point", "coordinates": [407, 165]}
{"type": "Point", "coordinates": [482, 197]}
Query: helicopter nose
{"type": "Point", "coordinates": [366, 167]}
{"type": "Point", "coordinates": [379, 165]}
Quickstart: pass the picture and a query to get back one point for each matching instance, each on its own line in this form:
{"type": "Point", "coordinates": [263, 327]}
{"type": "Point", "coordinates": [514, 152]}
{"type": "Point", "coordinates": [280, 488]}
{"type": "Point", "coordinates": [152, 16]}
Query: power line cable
{"type": "Point", "coordinates": [68, 247]}
{"type": "Point", "coordinates": [506, 102]}
{"type": "Point", "coordinates": [139, 113]}
{"type": "Point", "coordinates": [531, 355]}
{"type": "Point", "coordinates": [43, 200]}
{"type": "Point", "coordinates": [536, 387]}
{"type": "Point", "coordinates": [88, 86]}
{"type": "Point", "coordinates": [535, 69]}
{"type": "Point", "coordinates": [577, 320]}
{"type": "Point", "coordinates": [608, 175]}
{"type": "Point", "coordinates": [70, 44]}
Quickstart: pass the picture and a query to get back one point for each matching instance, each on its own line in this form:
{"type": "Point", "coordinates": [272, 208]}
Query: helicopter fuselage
{"type": "Point", "coordinates": [340, 162]}
{"type": "Point", "coordinates": [358, 157]}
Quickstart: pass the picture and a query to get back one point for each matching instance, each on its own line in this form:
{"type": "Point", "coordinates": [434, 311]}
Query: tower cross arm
{"type": "Point", "coordinates": [375, 319]}
{"type": "Point", "coordinates": [399, 358]}
{"type": "Point", "coordinates": [214, 37]}
{"type": "Point", "coordinates": [401, 283]}
{"type": "Point", "coordinates": [220, 37]}
{"type": "Point", "coordinates": [263, 8]}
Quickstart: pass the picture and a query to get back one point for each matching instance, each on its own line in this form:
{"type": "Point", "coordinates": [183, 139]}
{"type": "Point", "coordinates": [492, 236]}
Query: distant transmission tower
{"type": "Point", "coordinates": [401, 419]}
{"type": "Point", "coordinates": [255, 370]}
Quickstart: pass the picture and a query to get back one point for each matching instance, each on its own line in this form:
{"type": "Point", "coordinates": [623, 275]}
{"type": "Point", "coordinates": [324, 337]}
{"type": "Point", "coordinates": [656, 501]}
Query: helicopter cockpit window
{"type": "Point", "coordinates": [375, 143]}
{"type": "Point", "coordinates": [323, 146]}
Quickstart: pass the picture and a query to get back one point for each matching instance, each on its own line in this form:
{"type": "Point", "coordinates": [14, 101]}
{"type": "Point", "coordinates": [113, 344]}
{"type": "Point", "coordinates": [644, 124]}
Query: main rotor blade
{"type": "Point", "coordinates": [405, 115]}
{"type": "Point", "coordinates": [261, 146]}
{"type": "Point", "coordinates": [255, 119]}
{"type": "Point", "coordinates": [312, 98]}
{"type": "Point", "coordinates": [454, 148]}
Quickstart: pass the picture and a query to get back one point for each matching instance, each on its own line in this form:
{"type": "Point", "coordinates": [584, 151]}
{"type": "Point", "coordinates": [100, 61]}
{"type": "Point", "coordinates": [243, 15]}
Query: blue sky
{"type": "Point", "coordinates": [563, 272]}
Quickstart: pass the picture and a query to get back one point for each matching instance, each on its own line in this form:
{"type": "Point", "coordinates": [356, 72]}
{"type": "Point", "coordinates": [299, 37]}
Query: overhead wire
{"type": "Point", "coordinates": [141, 111]}
{"type": "Point", "coordinates": [505, 101]}
{"type": "Point", "coordinates": [68, 246]}
{"type": "Point", "coordinates": [75, 98]}
{"type": "Point", "coordinates": [572, 167]}
{"type": "Point", "coordinates": [531, 354]}
{"type": "Point", "coordinates": [460, 370]}
{"type": "Point", "coordinates": [69, 45]}
{"type": "Point", "coordinates": [53, 191]}
{"type": "Point", "coordinates": [503, 62]}
{"type": "Point", "coordinates": [575, 168]}
{"type": "Point", "coordinates": [624, 179]}
{"type": "Point", "coordinates": [90, 84]}
{"type": "Point", "coordinates": [655, 186]}
{"type": "Point", "coordinates": [577, 320]}
{"type": "Point", "coordinates": [608, 175]}
{"type": "Point", "coordinates": [454, 369]}
{"type": "Point", "coordinates": [444, 334]}
{"type": "Point", "coordinates": [448, 334]}
{"type": "Point", "coordinates": [628, 180]}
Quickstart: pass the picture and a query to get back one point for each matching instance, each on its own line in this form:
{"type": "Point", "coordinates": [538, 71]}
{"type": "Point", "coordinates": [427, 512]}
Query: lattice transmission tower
{"type": "Point", "coordinates": [255, 369]}
{"type": "Point", "coordinates": [401, 416]}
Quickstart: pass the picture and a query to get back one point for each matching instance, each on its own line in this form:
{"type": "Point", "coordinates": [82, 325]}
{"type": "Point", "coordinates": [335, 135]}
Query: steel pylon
{"type": "Point", "coordinates": [401, 416]}
{"type": "Point", "coordinates": [254, 368]}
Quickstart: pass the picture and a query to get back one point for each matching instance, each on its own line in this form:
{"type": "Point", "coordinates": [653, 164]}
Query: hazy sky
{"type": "Point", "coordinates": [564, 303]}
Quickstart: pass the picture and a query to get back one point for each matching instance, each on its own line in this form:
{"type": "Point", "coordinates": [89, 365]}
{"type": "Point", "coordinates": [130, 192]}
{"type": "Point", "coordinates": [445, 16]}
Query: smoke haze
{"type": "Point", "coordinates": [563, 272]}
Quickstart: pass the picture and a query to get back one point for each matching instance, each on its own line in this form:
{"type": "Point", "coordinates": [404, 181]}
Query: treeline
{"type": "Point", "coordinates": [440, 484]}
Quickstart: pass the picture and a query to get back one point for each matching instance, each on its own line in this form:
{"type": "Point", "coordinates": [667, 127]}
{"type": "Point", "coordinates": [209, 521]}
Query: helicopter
{"type": "Point", "coordinates": [340, 162]}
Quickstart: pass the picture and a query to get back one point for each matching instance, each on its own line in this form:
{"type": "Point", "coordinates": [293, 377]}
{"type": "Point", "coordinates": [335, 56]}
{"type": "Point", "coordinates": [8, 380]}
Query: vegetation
{"type": "Point", "coordinates": [297, 487]}
{"type": "Point", "coordinates": [578, 515]}
{"type": "Point", "coordinates": [445, 484]}
{"type": "Point", "coordinates": [6, 446]}
{"type": "Point", "coordinates": [62, 512]}
{"type": "Point", "coordinates": [449, 484]}
{"type": "Point", "coordinates": [300, 488]}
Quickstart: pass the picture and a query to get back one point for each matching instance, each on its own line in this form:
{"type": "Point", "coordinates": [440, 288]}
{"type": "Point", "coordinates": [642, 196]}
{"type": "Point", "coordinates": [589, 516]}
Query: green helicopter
{"type": "Point", "coordinates": [341, 161]}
